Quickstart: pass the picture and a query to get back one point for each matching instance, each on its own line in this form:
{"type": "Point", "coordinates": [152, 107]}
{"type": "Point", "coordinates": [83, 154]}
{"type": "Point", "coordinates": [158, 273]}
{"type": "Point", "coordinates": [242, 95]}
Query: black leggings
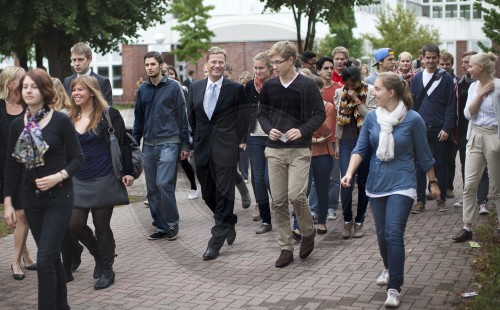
{"type": "Point", "coordinates": [100, 217]}
{"type": "Point", "coordinates": [188, 169]}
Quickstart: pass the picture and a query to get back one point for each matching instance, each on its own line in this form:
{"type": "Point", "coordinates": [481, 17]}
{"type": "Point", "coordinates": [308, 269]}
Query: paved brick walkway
{"type": "Point", "coordinates": [340, 274]}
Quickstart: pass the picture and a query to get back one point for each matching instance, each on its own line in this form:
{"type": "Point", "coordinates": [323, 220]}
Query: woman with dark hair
{"type": "Point", "coordinates": [88, 114]}
{"type": "Point", "coordinates": [10, 108]}
{"type": "Point", "coordinates": [353, 102]}
{"type": "Point", "coordinates": [185, 165]}
{"type": "Point", "coordinates": [388, 139]}
{"type": "Point", "coordinates": [45, 154]}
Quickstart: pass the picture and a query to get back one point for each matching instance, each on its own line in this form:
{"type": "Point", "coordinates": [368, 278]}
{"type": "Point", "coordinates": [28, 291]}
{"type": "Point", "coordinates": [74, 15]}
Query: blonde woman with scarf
{"type": "Point", "coordinates": [353, 102]}
{"type": "Point", "coordinates": [388, 140]}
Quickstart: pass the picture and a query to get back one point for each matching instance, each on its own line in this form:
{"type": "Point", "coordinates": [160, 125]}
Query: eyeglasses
{"type": "Point", "coordinates": [277, 62]}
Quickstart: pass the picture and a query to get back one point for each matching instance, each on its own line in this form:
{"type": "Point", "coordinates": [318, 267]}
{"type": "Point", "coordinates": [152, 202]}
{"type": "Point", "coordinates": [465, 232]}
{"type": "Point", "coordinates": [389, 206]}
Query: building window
{"type": "Point", "coordinates": [465, 11]}
{"type": "Point", "coordinates": [104, 71]}
{"type": "Point", "coordinates": [117, 76]}
{"type": "Point", "coordinates": [476, 13]}
{"type": "Point", "coordinates": [451, 11]}
{"type": "Point", "coordinates": [426, 11]}
{"type": "Point", "coordinates": [437, 12]}
{"type": "Point", "coordinates": [110, 66]}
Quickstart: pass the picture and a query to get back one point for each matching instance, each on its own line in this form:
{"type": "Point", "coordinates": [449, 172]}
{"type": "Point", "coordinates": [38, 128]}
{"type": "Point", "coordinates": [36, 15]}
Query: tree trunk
{"type": "Point", "coordinates": [296, 16]}
{"type": "Point", "coordinates": [38, 56]}
{"type": "Point", "coordinates": [22, 55]}
{"type": "Point", "coordinates": [56, 47]}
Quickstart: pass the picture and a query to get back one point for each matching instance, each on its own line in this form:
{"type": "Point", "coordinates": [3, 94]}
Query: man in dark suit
{"type": "Point", "coordinates": [189, 80]}
{"type": "Point", "coordinates": [81, 57]}
{"type": "Point", "coordinates": [215, 111]}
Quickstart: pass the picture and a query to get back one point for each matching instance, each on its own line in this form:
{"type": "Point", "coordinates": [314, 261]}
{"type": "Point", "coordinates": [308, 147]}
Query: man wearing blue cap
{"type": "Point", "coordinates": [385, 62]}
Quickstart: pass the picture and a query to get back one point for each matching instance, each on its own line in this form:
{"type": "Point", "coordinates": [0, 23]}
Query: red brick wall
{"type": "Point", "coordinates": [132, 70]}
{"type": "Point", "coordinates": [461, 48]}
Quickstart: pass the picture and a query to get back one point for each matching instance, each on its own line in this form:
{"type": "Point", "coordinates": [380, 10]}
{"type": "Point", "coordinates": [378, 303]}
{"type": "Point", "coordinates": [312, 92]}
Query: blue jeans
{"type": "Point", "coordinates": [48, 215]}
{"type": "Point", "coordinates": [260, 176]}
{"type": "Point", "coordinates": [390, 214]}
{"type": "Point", "coordinates": [334, 191]}
{"type": "Point", "coordinates": [440, 151]}
{"type": "Point", "coordinates": [160, 168]}
{"type": "Point", "coordinates": [345, 148]}
{"type": "Point", "coordinates": [320, 174]}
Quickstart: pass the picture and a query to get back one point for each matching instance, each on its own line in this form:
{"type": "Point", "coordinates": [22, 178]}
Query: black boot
{"type": "Point", "coordinates": [77, 250]}
{"type": "Point", "coordinates": [107, 258]}
{"type": "Point", "coordinates": [91, 245]}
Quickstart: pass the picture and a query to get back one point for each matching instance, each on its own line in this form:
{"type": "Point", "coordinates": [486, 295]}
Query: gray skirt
{"type": "Point", "coordinates": [100, 192]}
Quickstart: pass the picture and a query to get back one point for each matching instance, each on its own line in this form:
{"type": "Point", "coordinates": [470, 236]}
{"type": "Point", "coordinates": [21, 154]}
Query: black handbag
{"type": "Point", "coordinates": [137, 156]}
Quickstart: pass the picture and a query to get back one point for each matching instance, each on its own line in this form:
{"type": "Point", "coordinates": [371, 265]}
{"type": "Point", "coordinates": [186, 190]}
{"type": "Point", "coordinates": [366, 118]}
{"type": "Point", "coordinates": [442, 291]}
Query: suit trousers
{"type": "Point", "coordinates": [217, 190]}
{"type": "Point", "coordinates": [288, 178]}
{"type": "Point", "coordinates": [483, 149]}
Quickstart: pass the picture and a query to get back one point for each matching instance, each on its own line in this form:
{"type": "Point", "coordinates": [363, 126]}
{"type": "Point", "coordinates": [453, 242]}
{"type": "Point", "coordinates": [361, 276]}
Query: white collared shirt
{"type": "Point", "coordinates": [486, 116]}
{"type": "Point", "coordinates": [86, 74]}
{"type": "Point", "coordinates": [208, 89]}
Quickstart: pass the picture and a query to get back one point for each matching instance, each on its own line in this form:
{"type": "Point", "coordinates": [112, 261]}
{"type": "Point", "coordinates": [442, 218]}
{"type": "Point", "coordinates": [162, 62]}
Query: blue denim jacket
{"type": "Point", "coordinates": [410, 147]}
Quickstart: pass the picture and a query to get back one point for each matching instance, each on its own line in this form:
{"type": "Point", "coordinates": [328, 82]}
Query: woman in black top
{"type": "Point", "coordinates": [87, 112]}
{"type": "Point", "coordinates": [45, 154]}
{"type": "Point", "coordinates": [10, 108]}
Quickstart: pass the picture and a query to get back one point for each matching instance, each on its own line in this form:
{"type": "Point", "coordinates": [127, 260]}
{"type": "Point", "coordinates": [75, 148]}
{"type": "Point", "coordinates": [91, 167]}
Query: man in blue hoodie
{"type": "Point", "coordinates": [161, 121]}
{"type": "Point", "coordinates": [433, 92]}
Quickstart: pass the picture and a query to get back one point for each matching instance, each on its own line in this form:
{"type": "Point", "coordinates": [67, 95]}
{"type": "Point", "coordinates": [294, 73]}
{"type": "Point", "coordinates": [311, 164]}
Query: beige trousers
{"type": "Point", "coordinates": [483, 149]}
{"type": "Point", "coordinates": [288, 175]}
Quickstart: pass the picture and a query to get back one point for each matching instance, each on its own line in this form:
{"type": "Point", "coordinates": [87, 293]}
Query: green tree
{"type": "Point", "coordinates": [53, 26]}
{"type": "Point", "coordinates": [195, 38]}
{"type": "Point", "coordinates": [400, 31]}
{"type": "Point", "coordinates": [341, 35]}
{"type": "Point", "coordinates": [315, 11]}
{"type": "Point", "coordinates": [491, 25]}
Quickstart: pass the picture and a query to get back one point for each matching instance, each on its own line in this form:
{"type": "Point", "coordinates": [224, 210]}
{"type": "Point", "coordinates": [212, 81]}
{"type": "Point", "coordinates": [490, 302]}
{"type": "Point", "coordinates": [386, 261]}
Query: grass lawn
{"type": "Point", "coordinates": [486, 268]}
{"type": "Point", "coordinates": [4, 228]}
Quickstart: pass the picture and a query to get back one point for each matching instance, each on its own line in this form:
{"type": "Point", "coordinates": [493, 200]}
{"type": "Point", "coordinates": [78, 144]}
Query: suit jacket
{"type": "Point", "coordinates": [218, 139]}
{"type": "Point", "coordinates": [104, 85]}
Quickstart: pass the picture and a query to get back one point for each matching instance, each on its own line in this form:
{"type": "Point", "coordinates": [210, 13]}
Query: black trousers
{"type": "Point", "coordinates": [217, 190]}
{"type": "Point", "coordinates": [48, 214]}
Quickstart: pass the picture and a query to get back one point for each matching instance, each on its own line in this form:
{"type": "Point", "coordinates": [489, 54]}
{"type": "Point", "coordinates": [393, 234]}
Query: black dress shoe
{"type": "Point", "coordinates": [321, 231]}
{"type": "Point", "coordinates": [231, 236]}
{"type": "Point", "coordinates": [462, 236]}
{"type": "Point", "coordinates": [210, 254]}
{"type": "Point", "coordinates": [17, 276]}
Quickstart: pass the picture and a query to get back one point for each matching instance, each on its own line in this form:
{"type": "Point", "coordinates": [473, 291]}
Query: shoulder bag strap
{"type": "Point", "coordinates": [436, 76]}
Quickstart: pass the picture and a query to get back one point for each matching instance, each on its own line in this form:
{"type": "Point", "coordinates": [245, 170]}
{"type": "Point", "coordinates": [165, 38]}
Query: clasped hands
{"type": "Point", "coordinates": [292, 134]}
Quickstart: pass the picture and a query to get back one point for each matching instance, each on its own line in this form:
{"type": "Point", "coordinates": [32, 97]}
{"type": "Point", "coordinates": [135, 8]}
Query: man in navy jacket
{"type": "Point", "coordinates": [437, 107]}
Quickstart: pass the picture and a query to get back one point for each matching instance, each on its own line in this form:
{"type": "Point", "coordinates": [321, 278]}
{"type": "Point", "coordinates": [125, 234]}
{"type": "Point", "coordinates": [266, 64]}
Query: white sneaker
{"type": "Point", "coordinates": [193, 194]}
{"type": "Point", "coordinates": [459, 203]}
{"type": "Point", "coordinates": [146, 203]}
{"type": "Point", "coordinates": [383, 278]}
{"type": "Point", "coordinates": [483, 210]}
{"type": "Point", "coordinates": [331, 215]}
{"type": "Point", "coordinates": [393, 298]}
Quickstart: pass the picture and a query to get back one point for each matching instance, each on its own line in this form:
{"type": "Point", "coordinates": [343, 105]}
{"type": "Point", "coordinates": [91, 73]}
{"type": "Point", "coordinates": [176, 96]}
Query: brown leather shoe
{"type": "Point", "coordinates": [307, 245]}
{"type": "Point", "coordinates": [462, 236]}
{"type": "Point", "coordinates": [347, 230]}
{"type": "Point", "coordinates": [442, 206]}
{"type": "Point", "coordinates": [418, 208]}
{"type": "Point", "coordinates": [286, 257]}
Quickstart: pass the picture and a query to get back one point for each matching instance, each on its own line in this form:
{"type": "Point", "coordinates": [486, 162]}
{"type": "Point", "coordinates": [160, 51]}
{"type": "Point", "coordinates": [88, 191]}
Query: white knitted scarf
{"type": "Point", "coordinates": [387, 120]}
